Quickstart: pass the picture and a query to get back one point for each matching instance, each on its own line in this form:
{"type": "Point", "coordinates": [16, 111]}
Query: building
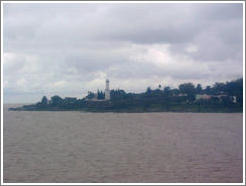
{"type": "Point", "coordinates": [181, 95]}
{"type": "Point", "coordinates": [95, 96]}
{"type": "Point", "coordinates": [107, 91]}
{"type": "Point", "coordinates": [203, 96]}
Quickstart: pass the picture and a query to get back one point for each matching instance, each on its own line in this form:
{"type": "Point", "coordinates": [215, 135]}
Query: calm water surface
{"type": "Point", "coordinates": [122, 147]}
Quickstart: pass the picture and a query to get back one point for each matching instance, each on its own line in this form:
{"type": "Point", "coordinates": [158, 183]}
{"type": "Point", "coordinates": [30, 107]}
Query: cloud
{"type": "Point", "coordinates": [69, 49]}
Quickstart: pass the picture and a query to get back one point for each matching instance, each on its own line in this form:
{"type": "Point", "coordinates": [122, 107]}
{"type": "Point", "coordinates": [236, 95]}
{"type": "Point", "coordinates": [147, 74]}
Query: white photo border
{"type": "Point", "coordinates": [117, 2]}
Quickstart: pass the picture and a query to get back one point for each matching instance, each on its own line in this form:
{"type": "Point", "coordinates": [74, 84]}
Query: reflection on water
{"type": "Point", "coordinates": [122, 147]}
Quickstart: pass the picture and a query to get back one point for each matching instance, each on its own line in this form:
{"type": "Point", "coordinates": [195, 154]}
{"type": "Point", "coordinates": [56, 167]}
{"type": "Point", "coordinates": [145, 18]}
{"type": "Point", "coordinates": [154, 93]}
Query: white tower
{"type": "Point", "coordinates": [107, 91]}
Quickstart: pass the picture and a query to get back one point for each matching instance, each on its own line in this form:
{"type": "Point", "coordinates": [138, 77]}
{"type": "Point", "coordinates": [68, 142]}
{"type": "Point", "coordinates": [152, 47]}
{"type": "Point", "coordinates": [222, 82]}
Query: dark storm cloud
{"type": "Point", "coordinates": [72, 48]}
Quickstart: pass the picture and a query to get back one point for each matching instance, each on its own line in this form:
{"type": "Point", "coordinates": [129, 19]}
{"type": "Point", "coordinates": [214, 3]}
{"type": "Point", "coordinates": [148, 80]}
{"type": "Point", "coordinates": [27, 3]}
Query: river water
{"type": "Point", "coordinates": [78, 147]}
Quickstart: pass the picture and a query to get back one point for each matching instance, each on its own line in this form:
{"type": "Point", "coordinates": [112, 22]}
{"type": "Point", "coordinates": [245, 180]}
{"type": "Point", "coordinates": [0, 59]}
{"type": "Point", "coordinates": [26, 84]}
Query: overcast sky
{"type": "Point", "coordinates": [70, 49]}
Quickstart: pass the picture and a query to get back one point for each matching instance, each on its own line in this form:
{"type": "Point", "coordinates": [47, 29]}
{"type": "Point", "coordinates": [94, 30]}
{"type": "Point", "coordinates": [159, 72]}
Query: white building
{"type": "Point", "coordinates": [203, 96]}
{"type": "Point", "coordinates": [107, 91]}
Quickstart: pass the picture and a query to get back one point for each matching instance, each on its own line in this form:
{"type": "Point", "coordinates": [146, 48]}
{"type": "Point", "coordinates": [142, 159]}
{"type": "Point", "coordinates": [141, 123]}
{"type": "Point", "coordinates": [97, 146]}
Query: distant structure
{"type": "Point", "coordinates": [96, 97]}
{"type": "Point", "coordinates": [107, 91]}
{"type": "Point", "coordinates": [203, 96]}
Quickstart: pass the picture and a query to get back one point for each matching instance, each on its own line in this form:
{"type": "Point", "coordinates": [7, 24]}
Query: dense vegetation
{"type": "Point", "coordinates": [223, 97]}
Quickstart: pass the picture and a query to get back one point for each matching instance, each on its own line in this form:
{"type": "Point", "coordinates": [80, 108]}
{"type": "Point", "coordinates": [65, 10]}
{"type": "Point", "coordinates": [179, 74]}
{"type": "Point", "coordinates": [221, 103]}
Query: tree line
{"type": "Point", "coordinates": [159, 99]}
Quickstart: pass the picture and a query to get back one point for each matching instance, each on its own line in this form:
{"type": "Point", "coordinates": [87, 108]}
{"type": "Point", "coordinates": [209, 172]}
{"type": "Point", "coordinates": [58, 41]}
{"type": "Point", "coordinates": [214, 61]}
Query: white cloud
{"type": "Point", "coordinates": [69, 50]}
{"type": "Point", "coordinates": [192, 48]}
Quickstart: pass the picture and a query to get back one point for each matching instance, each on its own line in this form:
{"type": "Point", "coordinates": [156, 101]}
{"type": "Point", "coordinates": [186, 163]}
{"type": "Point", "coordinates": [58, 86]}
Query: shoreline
{"type": "Point", "coordinates": [111, 111]}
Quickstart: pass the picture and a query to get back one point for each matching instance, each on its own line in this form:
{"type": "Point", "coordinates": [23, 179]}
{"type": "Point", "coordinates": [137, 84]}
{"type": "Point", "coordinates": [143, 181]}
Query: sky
{"type": "Point", "coordinates": [70, 49]}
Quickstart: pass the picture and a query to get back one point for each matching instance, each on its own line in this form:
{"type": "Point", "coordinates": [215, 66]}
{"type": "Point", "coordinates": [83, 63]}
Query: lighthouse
{"type": "Point", "coordinates": [107, 91]}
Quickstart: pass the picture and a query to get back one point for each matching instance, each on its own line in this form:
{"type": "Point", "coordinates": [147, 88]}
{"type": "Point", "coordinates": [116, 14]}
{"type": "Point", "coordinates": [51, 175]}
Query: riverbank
{"type": "Point", "coordinates": [134, 109]}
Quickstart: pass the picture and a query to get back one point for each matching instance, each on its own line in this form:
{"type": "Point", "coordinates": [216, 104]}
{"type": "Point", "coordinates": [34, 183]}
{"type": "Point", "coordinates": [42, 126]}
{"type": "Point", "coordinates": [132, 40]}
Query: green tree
{"type": "Point", "coordinates": [117, 94]}
{"type": "Point", "coordinates": [166, 91]}
{"type": "Point", "coordinates": [189, 89]}
{"type": "Point", "coordinates": [100, 95]}
{"type": "Point", "coordinates": [148, 91]}
{"type": "Point", "coordinates": [90, 95]}
{"type": "Point", "coordinates": [235, 88]}
{"type": "Point", "coordinates": [174, 92]}
{"type": "Point", "coordinates": [199, 89]}
{"type": "Point", "coordinates": [219, 88]}
{"type": "Point", "coordinates": [56, 100]}
{"type": "Point", "coordinates": [208, 90]}
{"type": "Point", "coordinates": [44, 101]}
